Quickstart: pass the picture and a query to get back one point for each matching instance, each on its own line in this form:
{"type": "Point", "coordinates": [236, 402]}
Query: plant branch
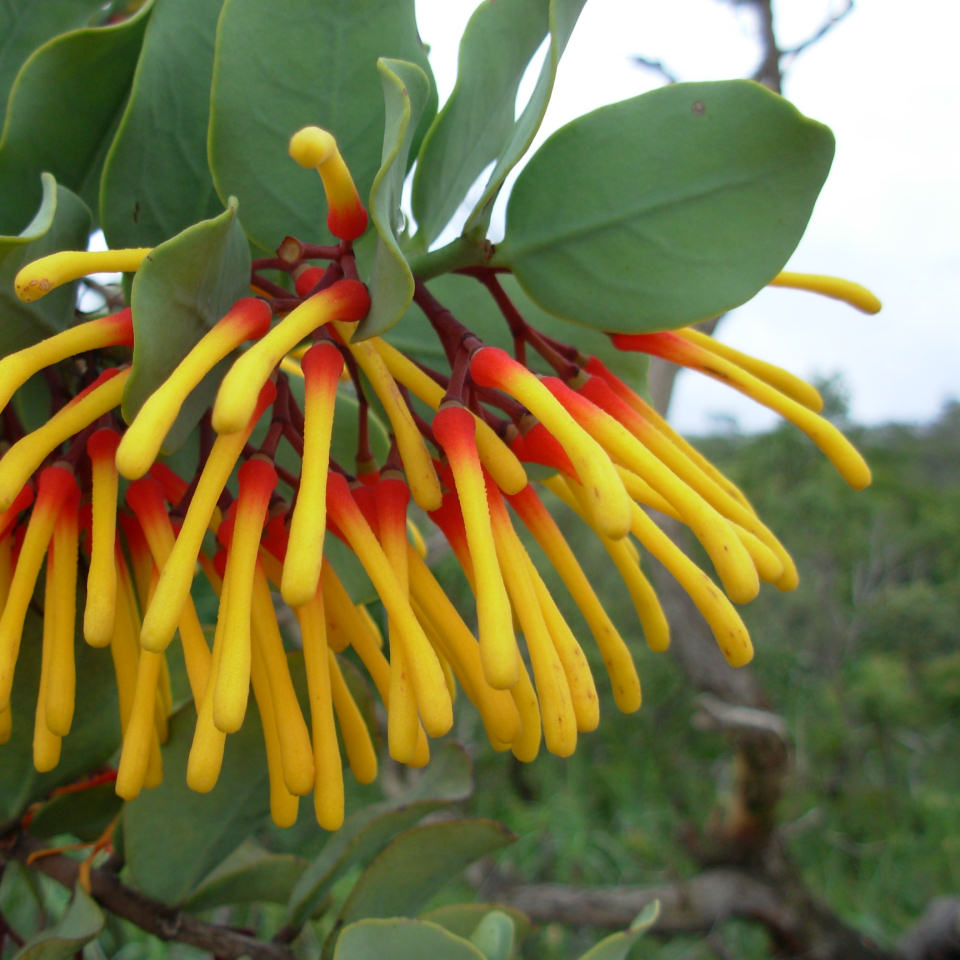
{"type": "Point", "coordinates": [167, 923]}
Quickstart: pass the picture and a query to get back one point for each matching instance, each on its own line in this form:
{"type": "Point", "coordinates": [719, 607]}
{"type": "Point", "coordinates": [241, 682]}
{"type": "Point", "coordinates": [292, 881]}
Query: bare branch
{"type": "Point", "coordinates": [657, 66]}
{"type": "Point", "coordinates": [167, 923]}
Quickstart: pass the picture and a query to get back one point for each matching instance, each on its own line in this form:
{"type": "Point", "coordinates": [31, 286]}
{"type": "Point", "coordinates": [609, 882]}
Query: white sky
{"type": "Point", "coordinates": [889, 216]}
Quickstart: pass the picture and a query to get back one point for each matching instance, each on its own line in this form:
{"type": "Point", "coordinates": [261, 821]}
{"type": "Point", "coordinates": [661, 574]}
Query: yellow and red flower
{"type": "Point", "coordinates": [255, 526]}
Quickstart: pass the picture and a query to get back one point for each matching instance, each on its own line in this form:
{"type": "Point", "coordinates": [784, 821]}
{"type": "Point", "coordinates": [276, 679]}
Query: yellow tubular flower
{"type": "Point", "coordinates": [37, 279]}
{"type": "Point", "coordinates": [609, 503]}
{"type": "Point", "coordinates": [100, 611]}
{"type": "Point", "coordinates": [257, 480]}
{"type": "Point", "coordinates": [730, 558]}
{"type": "Point", "coordinates": [583, 692]}
{"type": "Point", "coordinates": [345, 300]}
{"type": "Point", "coordinates": [328, 782]}
{"type": "Point", "coordinates": [55, 485]}
{"type": "Point", "coordinates": [341, 612]}
{"type": "Point", "coordinates": [173, 588]}
{"type": "Point", "coordinates": [284, 805]}
{"type": "Point", "coordinates": [371, 627]}
{"type": "Point", "coordinates": [391, 504]}
{"type": "Point", "coordinates": [62, 603]}
{"type": "Point", "coordinates": [777, 377]}
{"type": "Point", "coordinates": [834, 445]}
{"type": "Point", "coordinates": [496, 707]}
{"type": "Point", "coordinates": [322, 365]}
{"type": "Point", "coordinates": [26, 455]}
{"type": "Point", "coordinates": [556, 705]}
{"type": "Point", "coordinates": [205, 759]}
{"type": "Point", "coordinates": [453, 429]}
{"type": "Point", "coordinates": [315, 147]}
{"type": "Point", "coordinates": [141, 730]}
{"type": "Point", "coordinates": [296, 753]}
{"type": "Point", "coordinates": [46, 743]}
{"type": "Point", "coordinates": [18, 367]}
{"type": "Point", "coordinates": [835, 287]}
{"type": "Point", "coordinates": [636, 402]}
{"type": "Point", "coordinates": [356, 737]}
{"type": "Point", "coordinates": [417, 463]}
{"type": "Point", "coordinates": [145, 497]}
{"type": "Point", "coordinates": [433, 700]}
{"type": "Point", "coordinates": [625, 559]}
{"type": "Point", "coordinates": [497, 458]}
{"type": "Point", "coordinates": [249, 318]}
{"type": "Point", "coordinates": [616, 657]}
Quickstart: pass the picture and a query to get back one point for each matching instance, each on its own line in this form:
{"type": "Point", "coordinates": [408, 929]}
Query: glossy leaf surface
{"type": "Point", "coordinates": [402, 939]}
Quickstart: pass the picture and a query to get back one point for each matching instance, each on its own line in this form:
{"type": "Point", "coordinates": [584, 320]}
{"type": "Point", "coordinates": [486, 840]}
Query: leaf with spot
{"type": "Point", "coordinates": [666, 209]}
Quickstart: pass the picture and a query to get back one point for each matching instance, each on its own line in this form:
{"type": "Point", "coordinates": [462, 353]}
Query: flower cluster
{"type": "Point", "coordinates": [461, 443]}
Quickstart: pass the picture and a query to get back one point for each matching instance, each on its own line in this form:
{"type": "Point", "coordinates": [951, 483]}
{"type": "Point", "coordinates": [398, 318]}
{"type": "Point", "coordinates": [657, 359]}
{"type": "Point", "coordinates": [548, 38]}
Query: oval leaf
{"type": "Point", "coordinates": [329, 51]}
{"type": "Point", "coordinates": [25, 24]}
{"type": "Point", "coordinates": [81, 922]}
{"type": "Point", "coordinates": [665, 209]}
{"type": "Point", "coordinates": [463, 918]}
{"type": "Point", "coordinates": [494, 935]}
{"type": "Point", "coordinates": [64, 104]}
{"type": "Point", "coordinates": [618, 945]}
{"type": "Point", "coordinates": [156, 181]}
{"type": "Point", "coordinates": [406, 90]}
{"type": "Point", "coordinates": [183, 287]}
{"type": "Point", "coordinates": [62, 222]}
{"type": "Point", "coordinates": [248, 875]}
{"type": "Point", "coordinates": [208, 826]}
{"type": "Point", "coordinates": [416, 864]}
{"type": "Point", "coordinates": [401, 939]}
{"type": "Point", "coordinates": [446, 780]}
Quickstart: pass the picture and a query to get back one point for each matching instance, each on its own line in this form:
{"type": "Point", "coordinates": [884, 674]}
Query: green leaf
{"type": "Point", "coordinates": [84, 814]}
{"type": "Point", "coordinates": [26, 24]}
{"type": "Point", "coordinates": [250, 874]}
{"type": "Point", "coordinates": [473, 306]}
{"type": "Point", "coordinates": [327, 76]}
{"type": "Point", "coordinates": [64, 104]}
{"type": "Point", "coordinates": [406, 90]}
{"type": "Point", "coordinates": [416, 864]}
{"type": "Point", "coordinates": [463, 918]}
{"type": "Point", "coordinates": [156, 181]}
{"type": "Point", "coordinates": [494, 936]}
{"type": "Point", "coordinates": [82, 921]}
{"type": "Point", "coordinates": [94, 735]}
{"type": "Point", "coordinates": [401, 939]}
{"type": "Point", "coordinates": [563, 17]}
{"type": "Point", "coordinates": [21, 900]}
{"type": "Point", "coordinates": [665, 209]}
{"type": "Point", "coordinates": [207, 826]}
{"type": "Point", "coordinates": [446, 780]}
{"type": "Point", "coordinates": [183, 287]}
{"type": "Point", "coordinates": [62, 222]}
{"type": "Point", "coordinates": [477, 123]}
{"type": "Point", "coordinates": [618, 945]}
